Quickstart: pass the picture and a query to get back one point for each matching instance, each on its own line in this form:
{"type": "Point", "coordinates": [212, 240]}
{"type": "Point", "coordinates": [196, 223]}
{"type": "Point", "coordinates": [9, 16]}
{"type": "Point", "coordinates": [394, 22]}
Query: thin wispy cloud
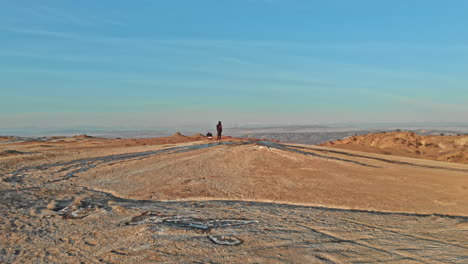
{"type": "Point", "coordinates": [182, 45]}
{"type": "Point", "coordinates": [58, 57]}
{"type": "Point", "coordinates": [46, 33]}
{"type": "Point", "coordinates": [424, 103]}
{"type": "Point", "coordinates": [233, 60]}
{"type": "Point", "coordinates": [252, 44]}
{"type": "Point", "coordinates": [58, 15]}
{"type": "Point", "coordinates": [428, 104]}
{"type": "Point", "coordinates": [66, 35]}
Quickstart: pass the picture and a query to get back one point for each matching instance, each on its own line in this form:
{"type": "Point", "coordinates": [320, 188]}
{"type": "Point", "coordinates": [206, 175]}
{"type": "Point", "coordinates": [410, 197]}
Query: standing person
{"type": "Point", "coordinates": [219, 128]}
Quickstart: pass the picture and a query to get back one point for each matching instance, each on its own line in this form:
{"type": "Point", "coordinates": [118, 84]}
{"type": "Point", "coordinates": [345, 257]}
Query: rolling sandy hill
{"type": "Point", "coordinates": [408, 144]}
{"type": "Point", "coordinates": [187, 200]}
{"type": "Point", "coordinates": [4, 139]}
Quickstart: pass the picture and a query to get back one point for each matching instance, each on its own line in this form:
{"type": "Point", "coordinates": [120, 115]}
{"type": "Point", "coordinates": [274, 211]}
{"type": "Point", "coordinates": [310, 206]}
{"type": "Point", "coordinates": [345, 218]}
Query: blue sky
{"type": "Point", "coordinates": [139, 64]}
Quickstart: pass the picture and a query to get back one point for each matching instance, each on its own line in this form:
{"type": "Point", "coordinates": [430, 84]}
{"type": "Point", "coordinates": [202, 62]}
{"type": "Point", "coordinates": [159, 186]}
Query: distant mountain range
{"type": "Point", "coordinates": [319, 137]}
{"type": "Point", "coordinates": [304, 134]}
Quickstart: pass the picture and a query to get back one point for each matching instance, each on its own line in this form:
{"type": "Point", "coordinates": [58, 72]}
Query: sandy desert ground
{"type": "Point", "coordinates": [186, 200]}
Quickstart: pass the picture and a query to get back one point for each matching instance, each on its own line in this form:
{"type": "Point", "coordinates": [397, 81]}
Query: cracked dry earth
{"type": "Point", "coordinates": [106, 201]}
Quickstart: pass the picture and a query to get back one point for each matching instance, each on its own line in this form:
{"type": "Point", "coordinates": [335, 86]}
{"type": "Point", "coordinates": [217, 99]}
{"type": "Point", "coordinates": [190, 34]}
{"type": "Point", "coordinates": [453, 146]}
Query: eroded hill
{"type": "Point", "coordinates": [408, 144]}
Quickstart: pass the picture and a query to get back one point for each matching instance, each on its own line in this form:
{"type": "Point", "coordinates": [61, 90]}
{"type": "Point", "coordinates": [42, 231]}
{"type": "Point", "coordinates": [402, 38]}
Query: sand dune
{"type": "Point", "coordinates": [188, 200]}
{"type": "Point", "coordinates": [409, 144]}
